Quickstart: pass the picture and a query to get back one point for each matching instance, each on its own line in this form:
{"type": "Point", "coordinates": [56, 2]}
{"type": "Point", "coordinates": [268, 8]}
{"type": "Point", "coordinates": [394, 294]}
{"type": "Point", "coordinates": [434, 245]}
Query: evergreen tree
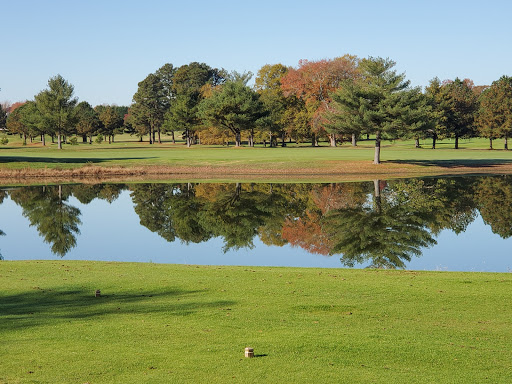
{"type": "Point", "coordinates": [56, 105]}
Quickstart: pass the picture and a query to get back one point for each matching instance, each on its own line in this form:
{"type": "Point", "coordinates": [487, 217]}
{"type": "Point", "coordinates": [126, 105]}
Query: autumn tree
{"type": "Point", "coordinates": [56, 105]}
{"type": "Point", "coordinates": [494, 117]}
{"type": "Point", "coordinates": [268, 85]}
{"type": "Point", "coordinates": [313, 81]}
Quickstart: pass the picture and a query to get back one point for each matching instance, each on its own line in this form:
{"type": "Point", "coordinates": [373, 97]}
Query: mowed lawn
{"type": "Point", "coordinates": [190, 324]}
{"type": "Point", "coordinates": [126, 151]}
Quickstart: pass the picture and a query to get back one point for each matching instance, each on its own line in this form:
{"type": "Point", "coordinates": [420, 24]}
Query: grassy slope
{"type": "Point", "coordinates": [171, 323]}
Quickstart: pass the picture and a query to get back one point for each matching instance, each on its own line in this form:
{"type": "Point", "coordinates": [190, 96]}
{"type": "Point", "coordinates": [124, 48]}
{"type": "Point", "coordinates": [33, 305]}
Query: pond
{"type": "Point", "coordinates": [455, 224]}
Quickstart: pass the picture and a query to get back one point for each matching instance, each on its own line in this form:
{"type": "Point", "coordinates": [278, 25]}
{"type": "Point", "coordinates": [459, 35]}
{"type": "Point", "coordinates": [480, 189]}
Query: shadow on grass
{"type": "Point", "coordinates": [50, 306]}
{"type": "Point", "coordinates": [468, 163]}
{"type": "Point", "coordinates": [78, 160]}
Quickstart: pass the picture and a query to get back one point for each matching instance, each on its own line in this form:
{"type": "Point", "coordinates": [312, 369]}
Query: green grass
{"type": "Point", "coordinates": [190, 324]}
{"type": "Point", "coordinates": [126, 151]}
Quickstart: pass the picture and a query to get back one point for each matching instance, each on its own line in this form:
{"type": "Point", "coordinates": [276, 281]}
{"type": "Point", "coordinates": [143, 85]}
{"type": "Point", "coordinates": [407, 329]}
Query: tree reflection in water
{"type": "Point", "coordinates": [380, 224]}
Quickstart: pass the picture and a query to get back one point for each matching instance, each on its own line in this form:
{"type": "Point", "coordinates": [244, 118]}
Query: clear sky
{"type": "Point", "coordinates": [104, 48]}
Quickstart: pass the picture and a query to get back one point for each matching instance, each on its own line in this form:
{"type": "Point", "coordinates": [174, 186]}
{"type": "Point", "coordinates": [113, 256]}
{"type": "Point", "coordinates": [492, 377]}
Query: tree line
{"type": "Point", "coordinates": [340, 99]}
{"type": "Point", "coordinates": [380, 223]}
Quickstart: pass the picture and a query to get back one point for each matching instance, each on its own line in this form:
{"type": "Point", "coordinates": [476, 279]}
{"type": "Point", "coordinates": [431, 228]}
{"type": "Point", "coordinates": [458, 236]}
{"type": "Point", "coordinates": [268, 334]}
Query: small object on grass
{"type": "Point", "coordinates": [97, 293]}
{"type": "Point", "coordinates": [249, 352]}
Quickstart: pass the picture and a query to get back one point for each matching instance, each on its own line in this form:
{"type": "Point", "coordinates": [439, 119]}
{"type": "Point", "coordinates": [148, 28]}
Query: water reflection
{"type": "Point", "coordinates": [382, 223]}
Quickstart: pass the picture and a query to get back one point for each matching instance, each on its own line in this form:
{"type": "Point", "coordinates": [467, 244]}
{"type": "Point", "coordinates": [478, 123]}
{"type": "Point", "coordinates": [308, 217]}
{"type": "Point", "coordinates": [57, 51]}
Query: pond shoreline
{"type": "Point", "coordinates": [326, 171]}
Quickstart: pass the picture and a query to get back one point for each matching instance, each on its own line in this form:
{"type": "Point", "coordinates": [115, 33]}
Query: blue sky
{"type": "Point", "coordinates": [104, 48]}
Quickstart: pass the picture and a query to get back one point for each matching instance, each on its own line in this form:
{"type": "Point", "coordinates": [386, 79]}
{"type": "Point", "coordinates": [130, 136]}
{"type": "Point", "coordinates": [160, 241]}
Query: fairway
{"type": "Point", "coordinates": [188, 324]}
{"type": "Point", "coordinates": [129, 157]}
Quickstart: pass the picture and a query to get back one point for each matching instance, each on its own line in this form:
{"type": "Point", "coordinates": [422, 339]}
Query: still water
{"type": "Point", "coordinates": [455, 224]}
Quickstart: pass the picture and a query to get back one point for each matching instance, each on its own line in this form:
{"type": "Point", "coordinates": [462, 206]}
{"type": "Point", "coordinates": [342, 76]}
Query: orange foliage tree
{"type": "Point", "coordinates": [313, 81]}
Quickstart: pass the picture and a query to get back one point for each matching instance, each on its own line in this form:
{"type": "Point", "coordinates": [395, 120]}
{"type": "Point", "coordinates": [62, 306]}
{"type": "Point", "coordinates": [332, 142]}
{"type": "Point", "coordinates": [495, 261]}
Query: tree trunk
{"type": "Point", "coordinates": [172, 135]}
{"type": "Point", "coordinates": [109, 139]}
{"type": "Point", "coordinates": [59, 141]}
{"type": "Point", "coordinates": [456, 142]}
{"type": "Point", "coordinates": [84, 138]}
{"type": "Point", "coordinates": [159, 138]}
{"type": "Point", "coordinates": [376, 197]}
{"type": "Point", "coordinates": [187, 138]}
{"type": "Point", "coordinates": [150, 136]}
{"type": "Point", "coordinates": [283, 140]}
{"type": "Point", "coordinates": [238, 139]}
{"type": "Point", "coordinates": [332, 139]}
{"type": "Point", "coordinates": [354, 140]}
{"type": "Point", "coordinates": [90, 138]}
{"type": "Point", "coordinates": [44, 139]}
{"type": "Point", "coordinates": [270, 139]}
{"type": "Point", "coordinates": [24, 139]}
{"type": "Point", "coordinates": [434, 138]}
{"type": "Point", "coordinates": [416, 142]}
{"type": "Point", "coordinates": [376, 158]}
{"type": "Point", "coordinates": [506, 142]}
{"type": "Point", "coordinates": [154, 135]}
{"type": "Point", "coordinates": [490, 143]}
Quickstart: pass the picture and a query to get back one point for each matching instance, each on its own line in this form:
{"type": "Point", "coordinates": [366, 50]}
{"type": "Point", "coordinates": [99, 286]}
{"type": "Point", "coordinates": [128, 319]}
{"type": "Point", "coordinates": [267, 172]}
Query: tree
{"type": "Point", "coordinates": [234, 107]}
{"type": "Point", "coordinates": [268, 85]}
{"type": "Point", "coordinates": [111, 120]}
{"type": "Point", "coordinates": [88, 121]}
{"type": "Point", "coordinates": [150, 103]}
{"type": "Point", "coordinates": [56, 105]}
{"type": "Point", "coordinates": [190, 84]}
{"type": "Point", "coordinates": [3, 117]}
{"type": "Point", "coordinates": [461, 103]}
{"type": "Point", "coordinates": [494, 117]}
{"type": "Point", "coordinates": [438, 108]}
{"type": "Point", "coordinates": [313, 81]}
{"type": "Point", "coordinates": [377, 102]}
{"type": "Point", "coordinates": [25, 121]}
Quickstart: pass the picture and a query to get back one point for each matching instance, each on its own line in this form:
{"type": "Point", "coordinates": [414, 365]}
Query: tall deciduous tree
{"type": "Point", "coordinates": [461, 103]}
{"type": "Point", "coordinates": [234, 107]}
{"type": "Point", "coordinates": [268, 85]}
{"type": "Point", "coordinates": [88, 121]}
{"type": "Point", "coordinates": [494, 118]}
{"type": "Point", "coordinates": [111, 119]}
{"type": "Point", "coordinates": [313, 81]}
{"type": "Point", "coordinates": [56, 105]}
{"type": "Point", "coordinates": [25, 121]}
